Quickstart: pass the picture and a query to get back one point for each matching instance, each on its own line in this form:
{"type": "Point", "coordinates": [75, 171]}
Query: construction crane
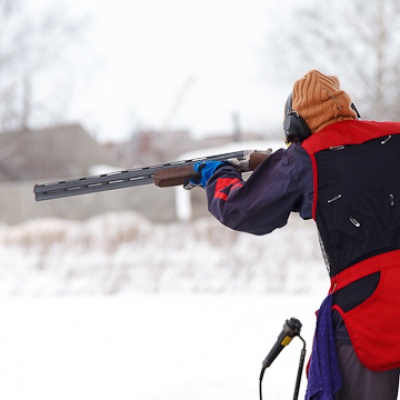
{"type": "Point", "coordinates": [178, 101]}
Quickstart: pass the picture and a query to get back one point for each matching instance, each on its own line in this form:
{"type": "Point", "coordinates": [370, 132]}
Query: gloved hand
{"type": "Point", "coordinates": [205, 169]}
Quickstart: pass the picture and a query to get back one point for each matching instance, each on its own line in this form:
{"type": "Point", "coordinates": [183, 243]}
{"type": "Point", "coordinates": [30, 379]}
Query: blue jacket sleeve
{"type": "Point", "coordinates": [262, 203]}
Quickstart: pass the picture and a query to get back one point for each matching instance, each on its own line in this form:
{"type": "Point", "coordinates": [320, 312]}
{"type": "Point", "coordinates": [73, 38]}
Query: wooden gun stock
{"type": "Point", "coordinates": [181, 175]}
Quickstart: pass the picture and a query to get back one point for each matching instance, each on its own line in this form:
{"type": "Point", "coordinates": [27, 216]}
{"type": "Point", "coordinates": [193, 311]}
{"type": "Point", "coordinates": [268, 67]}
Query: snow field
{"type": "Point", "coordinates": [122, 253]}
{"type": "Point", "coordinates": [117, 307]}
{"type": "Point", "coordinates": [149, 347]}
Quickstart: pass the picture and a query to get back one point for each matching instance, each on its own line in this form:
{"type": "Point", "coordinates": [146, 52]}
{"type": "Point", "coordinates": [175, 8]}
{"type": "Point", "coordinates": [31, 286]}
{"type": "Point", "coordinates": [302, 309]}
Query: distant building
{"type": "Point", "coordinates": [148, 147]}
{"type": "Point", "coordinates": [60, 152]}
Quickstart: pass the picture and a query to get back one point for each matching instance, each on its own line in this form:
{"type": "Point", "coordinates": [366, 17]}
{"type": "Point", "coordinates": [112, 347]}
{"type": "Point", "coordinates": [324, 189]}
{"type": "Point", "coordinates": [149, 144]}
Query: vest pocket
{"type": "Point", "coordinates": [372, 324]}
{"type": "Point", "coordinates": [356, 292]}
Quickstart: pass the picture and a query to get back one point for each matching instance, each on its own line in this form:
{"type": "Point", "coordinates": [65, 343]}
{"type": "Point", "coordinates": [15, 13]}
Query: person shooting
{"type": "Point", "coordinates": [341, 171]}
{"type": "Point", "coordinates": [344, 173]}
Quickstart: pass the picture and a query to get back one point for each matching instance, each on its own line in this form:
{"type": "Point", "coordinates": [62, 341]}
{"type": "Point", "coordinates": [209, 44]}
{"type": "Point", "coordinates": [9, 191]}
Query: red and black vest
{"type": "Point", "coordinates": [356, 172]}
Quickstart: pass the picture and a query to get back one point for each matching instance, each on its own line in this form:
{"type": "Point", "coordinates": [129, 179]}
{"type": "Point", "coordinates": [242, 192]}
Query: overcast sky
{"type": "Point", "coordinates": [176, 64]}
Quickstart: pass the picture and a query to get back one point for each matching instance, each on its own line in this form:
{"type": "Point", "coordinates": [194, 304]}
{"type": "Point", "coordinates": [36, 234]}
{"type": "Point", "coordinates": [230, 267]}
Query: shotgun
{"type": "Point", "coordinates": [163, 175]}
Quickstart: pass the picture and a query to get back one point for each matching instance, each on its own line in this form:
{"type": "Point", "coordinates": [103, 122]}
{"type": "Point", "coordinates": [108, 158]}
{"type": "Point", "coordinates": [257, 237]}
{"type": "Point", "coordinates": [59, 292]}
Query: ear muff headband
{"type": "Point", "coordinates": [354, 108]}
{"type": "Point", "coordinates": [296, 129]}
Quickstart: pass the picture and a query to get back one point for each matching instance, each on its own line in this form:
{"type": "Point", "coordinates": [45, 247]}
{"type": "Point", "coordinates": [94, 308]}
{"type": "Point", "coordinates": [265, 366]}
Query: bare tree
{"type": "Point", "coordinates": [31, 51]}
{"type": "Point", "coordinates": [357, 40]}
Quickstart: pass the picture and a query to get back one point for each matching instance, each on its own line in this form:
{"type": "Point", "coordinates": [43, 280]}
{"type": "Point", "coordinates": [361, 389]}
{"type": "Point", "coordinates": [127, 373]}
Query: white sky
{"type": "Point", "coordinates": [176, 64]}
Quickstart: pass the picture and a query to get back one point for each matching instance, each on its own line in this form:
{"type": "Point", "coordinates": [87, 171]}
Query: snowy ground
{"type": "Point", "coordinates": [123, 253]}
{"type": "Point", "coordinates": [116, 307]}
{"type": "Point", "coordinates": [149, 347]}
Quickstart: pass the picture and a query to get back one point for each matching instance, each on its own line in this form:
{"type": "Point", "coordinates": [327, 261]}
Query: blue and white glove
{"type": "Point", "coordinates": [205, 169]}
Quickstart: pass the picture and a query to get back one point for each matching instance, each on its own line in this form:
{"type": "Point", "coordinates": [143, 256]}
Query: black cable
{"type": "Point", "coordinates": [260, 389]}
{"type": "Point", "coordinates": [300, 369]}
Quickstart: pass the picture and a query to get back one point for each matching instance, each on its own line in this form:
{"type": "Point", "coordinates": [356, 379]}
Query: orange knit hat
{"type": "Point", "coordinates": [320, 102]}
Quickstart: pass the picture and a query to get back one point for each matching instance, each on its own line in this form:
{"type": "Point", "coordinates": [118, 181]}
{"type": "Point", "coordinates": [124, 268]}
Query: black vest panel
{"type": "Point", "coordinates": [358, 206]}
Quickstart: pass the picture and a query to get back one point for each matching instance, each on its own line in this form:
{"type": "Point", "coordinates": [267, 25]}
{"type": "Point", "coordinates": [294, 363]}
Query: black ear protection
{"type": "Point", "coordinates": [353, 107]}
{"type": "Point", "coordinates": [296, 129]}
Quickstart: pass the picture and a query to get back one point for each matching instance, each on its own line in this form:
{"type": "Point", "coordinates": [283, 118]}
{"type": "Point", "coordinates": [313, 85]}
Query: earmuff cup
{"type": "Point", "coordinates": [296, 129]}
